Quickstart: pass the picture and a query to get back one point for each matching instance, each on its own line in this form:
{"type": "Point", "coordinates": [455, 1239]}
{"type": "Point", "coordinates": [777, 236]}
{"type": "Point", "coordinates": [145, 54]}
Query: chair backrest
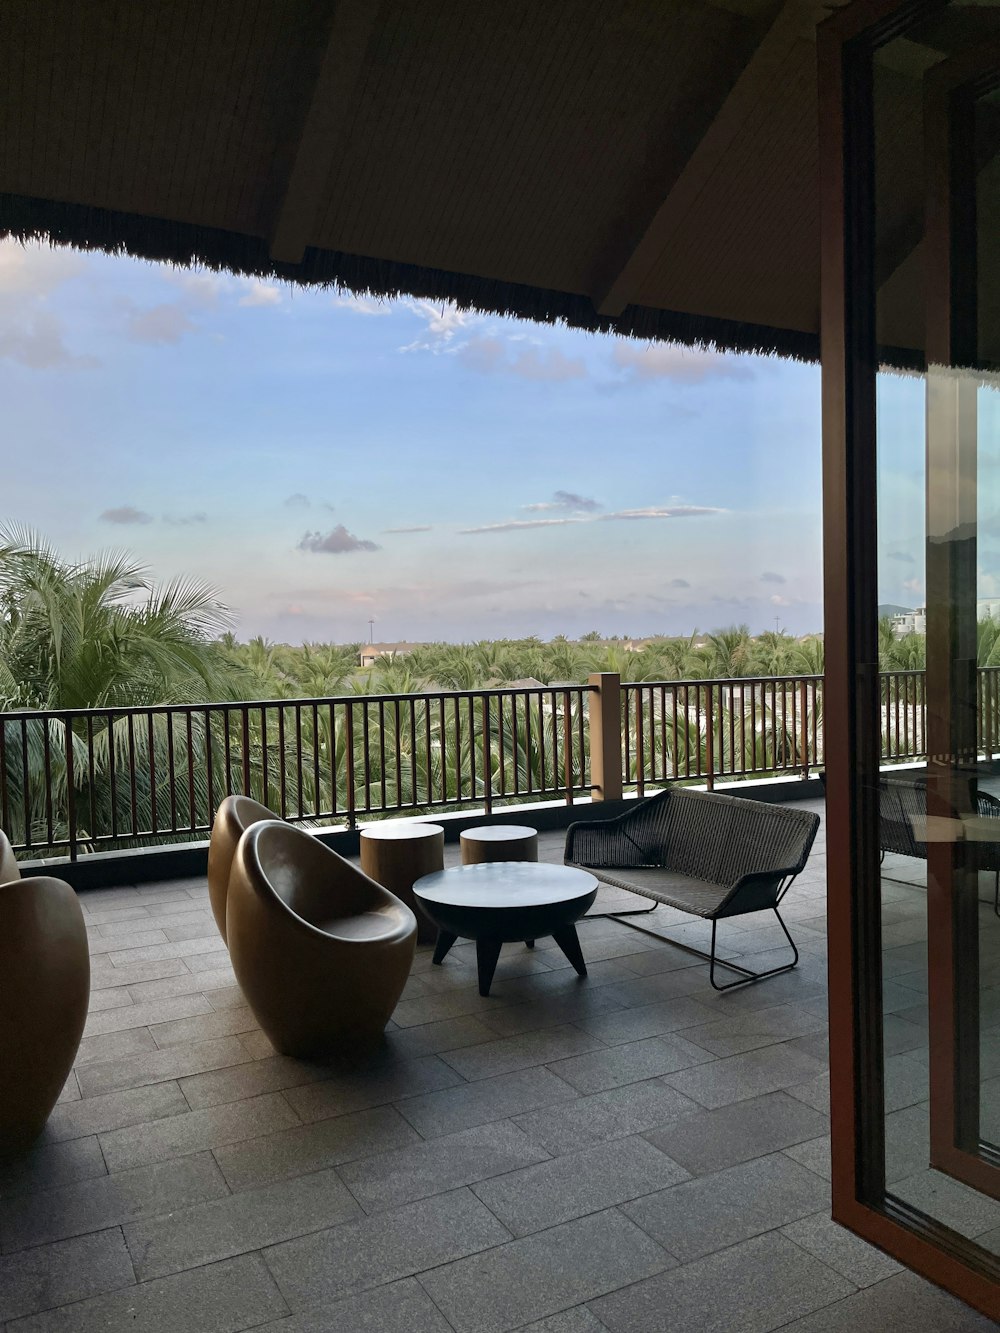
{"type": "Point", "coordinates": [8, 861]}
{"type": "Point", "coordinates": [722, 838]}
{"type": "Point", "coordinates": [902, 804]}
{"type": "Point", "coordinates": [314, 882]}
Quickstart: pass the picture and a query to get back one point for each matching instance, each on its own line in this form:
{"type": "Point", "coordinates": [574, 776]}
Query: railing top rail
{"type": "Point", "coordinates": [721, 680]}
{"type": "Point", "coordinates": [238, 705]}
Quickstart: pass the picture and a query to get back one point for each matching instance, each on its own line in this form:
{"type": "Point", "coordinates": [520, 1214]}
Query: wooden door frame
{"type": "Point", "coordinates": [952, 90]}
{"type": "Point", "coordinates": [845, 46]}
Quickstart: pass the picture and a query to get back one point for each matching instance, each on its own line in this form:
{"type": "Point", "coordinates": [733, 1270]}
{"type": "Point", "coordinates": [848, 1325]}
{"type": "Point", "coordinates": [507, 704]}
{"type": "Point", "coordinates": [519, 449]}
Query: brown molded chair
{"type": "Point", "coordinates": [234, 816]}
{"type": "Point", "coordinates": [8, 861]}
{"type": "Point", "coordinates": [321, 951]}
{"type": "Point", "coordinates": [44, 994]}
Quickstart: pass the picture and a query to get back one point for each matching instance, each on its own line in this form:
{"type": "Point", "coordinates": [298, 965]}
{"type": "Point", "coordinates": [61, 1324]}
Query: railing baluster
{"type": "Point", "coordinates": [487, 757]}
{"type": "Point", "coordinates": [352, 818]}
{"type": "Point", "coordinates": [70, 791]}
{"type": "Point", "coordinates": [171, 773]}
{"type": "Point", "coordinates": [282, 765]}
{"type": "Point", "coordinates": [190, 764]}
{"type": "Point", "coordinates": [640, 751]}
{"type": "Point", "coordinates": [151, 742]}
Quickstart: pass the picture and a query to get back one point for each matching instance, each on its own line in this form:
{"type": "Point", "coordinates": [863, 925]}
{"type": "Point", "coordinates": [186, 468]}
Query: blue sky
{"type": "Point", "coordinates": [279, 443]}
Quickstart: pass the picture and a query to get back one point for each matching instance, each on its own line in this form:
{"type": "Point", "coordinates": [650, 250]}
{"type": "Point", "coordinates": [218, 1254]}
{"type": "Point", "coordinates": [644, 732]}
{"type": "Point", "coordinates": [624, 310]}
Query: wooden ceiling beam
{"type": "Point", "coordinates": [796, 21]}
{"type": "Point", "coordinates": [330, 103]}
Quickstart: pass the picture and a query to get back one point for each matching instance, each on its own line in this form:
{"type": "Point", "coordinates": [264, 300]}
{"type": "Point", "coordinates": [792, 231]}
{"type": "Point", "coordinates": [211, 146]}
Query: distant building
{"type": "Point", "coordinates": [915, 622]}
{"type": "Point", "coordinates": [910, 622]}
{"type": "Point", "coordinates": [373, 653]}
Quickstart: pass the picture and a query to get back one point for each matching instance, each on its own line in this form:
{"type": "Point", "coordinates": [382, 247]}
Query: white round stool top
{"type": "Point", "coordinates": [393, 830]}
{"type": "Point", "coordinates": [500, 833]}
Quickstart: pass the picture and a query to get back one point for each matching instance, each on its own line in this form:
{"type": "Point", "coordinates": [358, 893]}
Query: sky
{"type": "Point", "coordinates": [326, 460]}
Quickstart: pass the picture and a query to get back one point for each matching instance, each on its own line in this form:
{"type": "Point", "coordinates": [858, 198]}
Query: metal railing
{"type": "Point", "coordinates": [704, 730]}
{"type": "Point", "coordinates": [89, 779]}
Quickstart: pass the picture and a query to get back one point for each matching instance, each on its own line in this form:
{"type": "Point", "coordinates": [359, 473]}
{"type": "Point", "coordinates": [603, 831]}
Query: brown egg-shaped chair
{"type": "Point", "coordinates": [8, 861]}
{"type": "Point", "coordinates": [232, 819]}
{"type": "Point", "coordinates": [321, 951]}
{"type": "Point", "coordinates": [44, 993]}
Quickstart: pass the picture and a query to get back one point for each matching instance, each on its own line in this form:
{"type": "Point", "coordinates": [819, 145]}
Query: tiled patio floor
{"type": "Point", "coordinates": [633, 1152]}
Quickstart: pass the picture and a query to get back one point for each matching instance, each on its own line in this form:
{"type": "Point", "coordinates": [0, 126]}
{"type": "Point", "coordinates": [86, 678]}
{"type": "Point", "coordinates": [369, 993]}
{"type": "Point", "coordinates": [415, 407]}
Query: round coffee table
{"type": "Point", "coordinates": [501, 902]}
{"type": "Point", "coordinates": [498, 842]}
{"type": "Point", "coordinates": [395, 854]}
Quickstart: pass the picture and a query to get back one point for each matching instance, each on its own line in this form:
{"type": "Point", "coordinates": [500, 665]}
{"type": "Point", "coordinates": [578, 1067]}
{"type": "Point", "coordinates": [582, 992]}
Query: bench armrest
{"type": "Point", "coordinates": [757, 891]}
{"type": "Point", "coordinates": [604, 844]}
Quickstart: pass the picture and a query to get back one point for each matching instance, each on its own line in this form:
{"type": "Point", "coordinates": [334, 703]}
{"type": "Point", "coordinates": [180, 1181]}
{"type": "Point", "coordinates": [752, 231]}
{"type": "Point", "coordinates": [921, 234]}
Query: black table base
{"type": "Point", "coordinates": [488, 952]}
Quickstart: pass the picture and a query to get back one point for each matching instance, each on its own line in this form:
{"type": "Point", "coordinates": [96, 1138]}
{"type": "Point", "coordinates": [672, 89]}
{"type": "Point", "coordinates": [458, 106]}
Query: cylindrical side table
{"type": "Point", "coordinates": [499, 842]}
{"type": "Point", "coordinates": [396, 854]}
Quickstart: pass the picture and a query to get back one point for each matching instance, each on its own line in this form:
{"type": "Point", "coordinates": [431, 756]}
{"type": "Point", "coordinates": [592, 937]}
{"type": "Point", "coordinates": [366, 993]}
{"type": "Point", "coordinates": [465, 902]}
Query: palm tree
{"type": "Point", "coordinates": [99, 634]}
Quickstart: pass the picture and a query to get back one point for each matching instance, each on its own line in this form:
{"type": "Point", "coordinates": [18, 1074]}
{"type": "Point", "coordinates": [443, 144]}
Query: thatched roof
{"type": "Point", "coordinates": [649, 168]}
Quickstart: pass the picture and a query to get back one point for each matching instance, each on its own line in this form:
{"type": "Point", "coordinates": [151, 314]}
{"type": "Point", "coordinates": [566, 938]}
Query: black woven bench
{"type": "Point", "coordinates": [713, 856]}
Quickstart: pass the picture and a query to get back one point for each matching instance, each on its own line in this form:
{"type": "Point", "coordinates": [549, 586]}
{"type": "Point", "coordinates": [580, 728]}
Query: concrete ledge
{"type": "Point", "coordinates": [189, 860]}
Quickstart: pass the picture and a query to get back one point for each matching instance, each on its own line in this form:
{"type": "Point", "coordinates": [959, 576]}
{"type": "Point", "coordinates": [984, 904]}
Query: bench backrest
{"type": "Point", "coordinates": [722, 838]}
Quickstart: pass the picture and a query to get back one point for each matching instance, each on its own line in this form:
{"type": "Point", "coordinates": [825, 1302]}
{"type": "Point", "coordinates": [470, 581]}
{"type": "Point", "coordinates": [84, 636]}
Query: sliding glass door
{"type": "Point", "coordinates": [911, 352]}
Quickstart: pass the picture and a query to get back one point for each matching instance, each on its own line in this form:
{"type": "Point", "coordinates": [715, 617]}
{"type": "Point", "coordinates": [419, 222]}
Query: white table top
{"type": "Point", "coordinates": [505, 884]}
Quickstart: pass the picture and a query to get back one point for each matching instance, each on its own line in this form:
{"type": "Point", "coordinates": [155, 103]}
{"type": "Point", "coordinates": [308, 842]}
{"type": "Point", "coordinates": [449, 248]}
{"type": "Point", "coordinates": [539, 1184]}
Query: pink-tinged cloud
{"type": "Point", "coordinates": [667, 361]}
{"type": "Point", "coordinates": [126, 515]}
{"type": "Point", "coordinates": [338, 541]}
{"type": "Point", "coordinates": [566, 502]}
{"type": "Point", "coordinates": [488, 355]}
{"type": "Point", "coordinates": [160, 324]}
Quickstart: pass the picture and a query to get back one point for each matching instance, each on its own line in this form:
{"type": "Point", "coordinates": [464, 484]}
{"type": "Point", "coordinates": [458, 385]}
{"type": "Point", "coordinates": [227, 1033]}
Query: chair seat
{"type": "Point", "coordinates": [685, 892]}
{"type": "Point", "coordinates": [384, 925]}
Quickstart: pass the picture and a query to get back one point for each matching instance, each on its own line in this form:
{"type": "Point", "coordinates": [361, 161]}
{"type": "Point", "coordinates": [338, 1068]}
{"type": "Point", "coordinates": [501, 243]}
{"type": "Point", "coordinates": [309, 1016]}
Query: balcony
{"type": "Point", "coordinates": [563, 1155]}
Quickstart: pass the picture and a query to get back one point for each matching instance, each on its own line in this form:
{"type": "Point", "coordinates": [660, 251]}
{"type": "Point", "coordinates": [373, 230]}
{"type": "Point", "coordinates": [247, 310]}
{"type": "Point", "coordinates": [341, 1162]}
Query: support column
{"type": "Point", "coordinates": [605, 736]}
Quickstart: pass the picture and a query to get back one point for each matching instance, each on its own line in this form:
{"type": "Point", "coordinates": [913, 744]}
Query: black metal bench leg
{"type": "Point", "coordinates": [748, 976]}
{"type": "Point", "coordinates": [996, 892]}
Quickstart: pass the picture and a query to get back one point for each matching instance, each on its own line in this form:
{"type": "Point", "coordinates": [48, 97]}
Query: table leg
{"type": "Point", "coordinates": [444, 942]}
{"type": "Point", "coordinates": [487, 953]}
{"type": "Point", "coordinates": [568, 940]}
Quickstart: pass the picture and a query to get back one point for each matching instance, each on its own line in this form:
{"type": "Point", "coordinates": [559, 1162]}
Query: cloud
{"type": "Point", "coordinates": [679, 583]}
{"type": "Point", "coordinates": [184, 520]}
{"type": "Point", "coordinates": [361, 305]}
{"type": "Point", "coordinates": [261, 294]}
{"type": "Point", "coordinates": [165, 323]}
{"type": "Point", "coordinates": [38, 344]}
{"type": "Point", "coordinates": [777, 600]}
{"type": "Point", "coordinates": [667, 361]}
{"type": "Point", "coordinates": [489, 355]}
{"type": "Point", "coordinates": [913, 585]}
{"type": "Point", "coordinates": [566, 501]}
{"type": "Point", "coordinates": [126, 514]}
{"type": "Point", "coordinates": [903, 557]}
{"type": "Point", "coordinates": [441, 324]}
{"type": "Point", "coordinates": [769, 576]}
{"type": "Point", "coordinates": [336, 542]}
{"type": "Point", "coordinates": [30, 333]}
{"type": "Point", "coordinates": [519, 524]}
{"type": "Point", "coordinates": [653, 511]}
{"type": "Point", "coordinates": [297, 501]}
{"type": "Point", "coordinates": [418, 528]}
{"type": "Point", "coordinates": [664, 511]}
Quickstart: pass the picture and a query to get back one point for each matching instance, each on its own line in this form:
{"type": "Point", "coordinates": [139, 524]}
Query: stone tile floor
{"type": "Point", "coordinates": [632, 1152]}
